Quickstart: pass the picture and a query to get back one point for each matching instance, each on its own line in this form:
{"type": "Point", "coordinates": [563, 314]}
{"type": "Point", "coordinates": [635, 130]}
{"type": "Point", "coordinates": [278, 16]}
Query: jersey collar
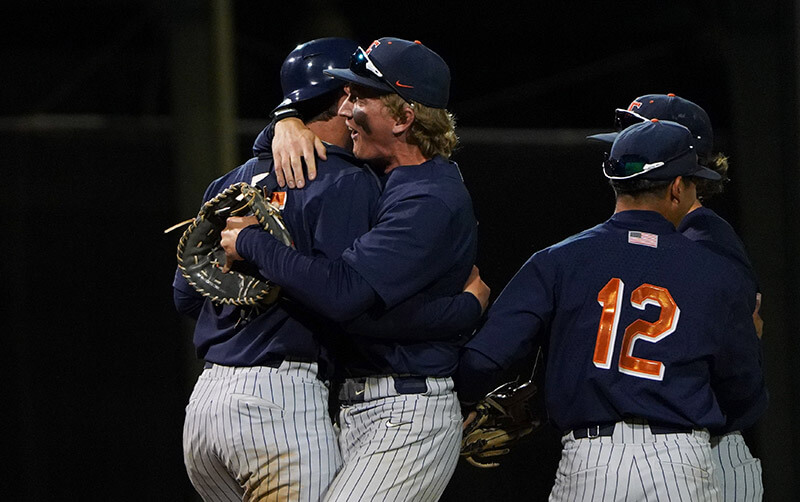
{"type": "Point", "coordinates": [635, 219]}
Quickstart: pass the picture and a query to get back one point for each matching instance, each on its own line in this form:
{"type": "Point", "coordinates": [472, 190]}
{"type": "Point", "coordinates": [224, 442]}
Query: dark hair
{"type": "Point", "coordinates": [320, 108]}
{"type": "Point", "coordinates": [708, 188]}
{"type": "Point", "coordinates": [638, 187]}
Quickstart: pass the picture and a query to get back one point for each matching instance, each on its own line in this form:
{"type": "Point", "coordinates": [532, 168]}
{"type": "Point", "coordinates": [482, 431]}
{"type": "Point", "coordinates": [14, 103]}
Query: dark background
{"type": "Point", "coordinates": [114, 116]}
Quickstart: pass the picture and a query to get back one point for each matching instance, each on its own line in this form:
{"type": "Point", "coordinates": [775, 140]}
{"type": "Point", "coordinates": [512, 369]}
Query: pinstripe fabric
{"type": "Point", "coordinates": [398, 447]}
{"type": "Point", "coordinates": [260, 434]}
{"type": "Point", "coordinates": [738, 472]}
{"type": "Point", "coordinates": [635, 465]}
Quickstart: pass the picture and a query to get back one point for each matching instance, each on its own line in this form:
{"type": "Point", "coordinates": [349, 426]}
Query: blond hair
{"type": "Point", "coordinates": [433, 130]}
{"type": "Point", "coordinates": [708, 188]}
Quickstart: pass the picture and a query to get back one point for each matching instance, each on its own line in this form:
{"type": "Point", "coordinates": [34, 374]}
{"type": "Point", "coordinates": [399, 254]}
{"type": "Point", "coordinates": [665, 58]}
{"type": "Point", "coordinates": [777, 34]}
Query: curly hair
{"type": "Point", "coordinates": [433, 130]}
{"type": "Point", "coordinates": [708, 188]}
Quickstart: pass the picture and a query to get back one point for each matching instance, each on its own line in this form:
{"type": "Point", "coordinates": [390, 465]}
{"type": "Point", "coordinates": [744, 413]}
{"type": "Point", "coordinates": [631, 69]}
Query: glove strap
{"type": "Point", "coordinates": [269, 183]}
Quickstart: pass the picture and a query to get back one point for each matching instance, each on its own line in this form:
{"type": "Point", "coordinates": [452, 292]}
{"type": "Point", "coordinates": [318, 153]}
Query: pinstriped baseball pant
{"type": "Point", "coordinates": [738, 472]}
{"type": "Point", "coordinates": [634, 464]}
{"type": "Point", "coordinates": [260, 434]}
{"type": "Point", "coordinates": [398, 447]}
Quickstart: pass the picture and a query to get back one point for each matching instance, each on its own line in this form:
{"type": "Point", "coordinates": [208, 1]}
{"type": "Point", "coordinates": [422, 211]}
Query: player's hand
{"type": "Point", "coordinates": [292, 143]}
{"type": "Point", "coordinates": [470, 417]}
{"type": "Point", "coordinates": [229, 234]}
{"type": "Point", "coordinates": [757, 320]}
{"type": "Point", "coordinates": [478, 288]}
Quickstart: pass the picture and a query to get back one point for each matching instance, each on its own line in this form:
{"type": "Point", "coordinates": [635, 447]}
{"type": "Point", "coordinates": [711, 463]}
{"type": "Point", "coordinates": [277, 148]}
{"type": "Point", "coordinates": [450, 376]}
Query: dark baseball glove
{"type": "Point", "coordinates": [502, 419]}
{"type": "Point", "coordinates": [200, 256]}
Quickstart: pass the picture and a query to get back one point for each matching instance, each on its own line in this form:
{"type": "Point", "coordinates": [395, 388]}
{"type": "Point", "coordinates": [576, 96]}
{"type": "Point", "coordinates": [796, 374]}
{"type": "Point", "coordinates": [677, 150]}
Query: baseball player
{"type": "Point", "coordinates": [257, 424]}
{"type": "Point", "coordinates": [649, 339]}
{"type": "Point", "coordinates": [738, 472]}
{"type": "Point", "coordinates": [400, 419]}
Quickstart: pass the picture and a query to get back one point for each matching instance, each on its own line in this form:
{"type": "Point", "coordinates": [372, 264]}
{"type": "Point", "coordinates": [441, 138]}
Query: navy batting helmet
{"type": "Point", "coordinates": [301, 73]}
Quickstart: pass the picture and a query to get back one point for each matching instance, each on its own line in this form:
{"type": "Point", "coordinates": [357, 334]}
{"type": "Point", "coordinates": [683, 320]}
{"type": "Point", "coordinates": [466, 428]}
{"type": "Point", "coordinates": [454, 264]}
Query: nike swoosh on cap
{"type": "Point", "coordinates": [398, 84]}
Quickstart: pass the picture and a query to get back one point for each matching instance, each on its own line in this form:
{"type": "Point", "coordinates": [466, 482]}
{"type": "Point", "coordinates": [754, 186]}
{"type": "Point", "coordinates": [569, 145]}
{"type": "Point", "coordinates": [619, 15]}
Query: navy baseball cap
{"type": "Point", "coordinates": [400, 66]}
{"type": "Point", "coordinates": [665, 107]}
{"type": "Point", "coordinates": [658, 150]}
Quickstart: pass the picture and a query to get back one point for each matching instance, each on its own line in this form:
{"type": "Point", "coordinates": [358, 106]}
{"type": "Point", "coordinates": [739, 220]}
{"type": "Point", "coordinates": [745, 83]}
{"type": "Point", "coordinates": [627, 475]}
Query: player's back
{"type": "Point", "coordinates": [643, 320]}
{"type": "Point", "coordinates": [323, 219]}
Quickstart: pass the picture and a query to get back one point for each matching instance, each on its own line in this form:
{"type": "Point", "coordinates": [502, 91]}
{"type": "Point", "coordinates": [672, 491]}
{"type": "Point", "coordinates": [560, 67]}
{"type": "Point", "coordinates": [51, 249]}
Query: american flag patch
{"type": "Point", "coordinates": [643, 239]}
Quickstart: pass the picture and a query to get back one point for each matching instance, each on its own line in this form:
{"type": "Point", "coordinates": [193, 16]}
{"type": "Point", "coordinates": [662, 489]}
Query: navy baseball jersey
{"type": "Point", "coordinates": [712, 231]}
{"type": "Point", "coordinates": [638, 321]}
{"type": "Point", "coordinates": [323, 220]}
{"type": "Point", "coordinates": [423, 242]}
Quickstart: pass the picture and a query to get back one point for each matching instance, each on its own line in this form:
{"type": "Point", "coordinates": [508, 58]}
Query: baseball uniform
{"type": "Point", "coordinates": [738, 472]}
{"type": "Point", "coordinates": [400, 419]}
{"type": "Point", "coordinates": [650, 344]}
{"type": "Point", "coordinates": [257, 423]}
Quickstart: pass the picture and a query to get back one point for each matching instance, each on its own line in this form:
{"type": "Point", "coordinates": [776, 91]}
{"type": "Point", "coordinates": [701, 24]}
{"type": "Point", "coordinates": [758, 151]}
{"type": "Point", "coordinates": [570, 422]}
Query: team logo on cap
{"type": "Point", "coordinates": [634, 104]}
{"type": "Point", "coordinates": [372, 46]}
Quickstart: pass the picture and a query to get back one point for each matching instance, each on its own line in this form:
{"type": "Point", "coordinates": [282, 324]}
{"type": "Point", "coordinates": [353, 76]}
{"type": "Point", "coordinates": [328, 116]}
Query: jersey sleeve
{"type": "Point", "coordinates": [187, 299]}
{"type": "Point", "coordinates": [263, 142]}
{"type": "Point", "coordinates": [420, 318]}
{"type": "Point", "coordinates": [408, 248]}
{"type": "Point", "coordinates": [330, 287]}
{"type": "Point", "coordinates": [513, 326]}
{"type": "Point", "coordinates": [737, 378]}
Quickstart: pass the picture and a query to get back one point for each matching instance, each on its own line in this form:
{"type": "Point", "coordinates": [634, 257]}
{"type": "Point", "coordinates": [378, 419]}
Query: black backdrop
{"type": "Point", "coordinates": [92, 132]}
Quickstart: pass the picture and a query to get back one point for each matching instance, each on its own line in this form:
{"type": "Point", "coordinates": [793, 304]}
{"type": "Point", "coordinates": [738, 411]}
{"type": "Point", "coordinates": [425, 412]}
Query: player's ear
{"type": "Point", "coordinates": [404, 121]}
{"type": "Point", "coordinates": [677, 190]}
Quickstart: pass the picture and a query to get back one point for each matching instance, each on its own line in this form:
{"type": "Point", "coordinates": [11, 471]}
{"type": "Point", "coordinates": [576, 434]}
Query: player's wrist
{"type": "Point", "coordinates": [285, 113]}
{"type": "Point", "coordinates": [242, 244]}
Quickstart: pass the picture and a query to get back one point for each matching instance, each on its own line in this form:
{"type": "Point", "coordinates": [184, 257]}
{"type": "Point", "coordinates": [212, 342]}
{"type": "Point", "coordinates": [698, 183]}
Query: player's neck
{"type": "Point", "coordinates": [647, 203]}
{"type": "Point", "coordinates": [696, 205]}
{"type": "Point", "coordinates": [404, 154]}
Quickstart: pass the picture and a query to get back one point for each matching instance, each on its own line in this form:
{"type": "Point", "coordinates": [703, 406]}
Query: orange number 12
{"type": "Point", "coordinates": [610, 298]}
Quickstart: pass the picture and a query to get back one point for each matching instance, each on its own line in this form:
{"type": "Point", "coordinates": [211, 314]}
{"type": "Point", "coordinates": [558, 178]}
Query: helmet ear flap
{"type": "Point", "coordinates": [302, 76]}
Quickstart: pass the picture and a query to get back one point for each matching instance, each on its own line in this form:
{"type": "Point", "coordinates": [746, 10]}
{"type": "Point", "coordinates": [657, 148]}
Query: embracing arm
{"type": "Point", "coordinates": [423, 317]}
{"type": "Point", "coordinates": [511, 330]}
{"type": "Point", "coordinates": [292, 143]}
{"type": "Point", "coordinates": [377, 267]}
{"type": "Point", "coordinates": [337, 291]}
{"type": "Point", "coordinates": [330, 287]}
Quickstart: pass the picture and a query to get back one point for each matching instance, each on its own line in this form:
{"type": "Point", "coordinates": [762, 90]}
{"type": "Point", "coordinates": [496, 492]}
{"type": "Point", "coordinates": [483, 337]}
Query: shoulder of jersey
{"type": "Point", "coordinates": [244, 172]}
{"type": "Point", "coordinates": [580, 237]}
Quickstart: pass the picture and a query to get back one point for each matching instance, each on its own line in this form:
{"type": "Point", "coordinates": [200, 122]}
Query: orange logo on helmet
{"type": "Point", "coordinates": [634, 104]}
{"type": "Point", "coordinates": [372, 46]}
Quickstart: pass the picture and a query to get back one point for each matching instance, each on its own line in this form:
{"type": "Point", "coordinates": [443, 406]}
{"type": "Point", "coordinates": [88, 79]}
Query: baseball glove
{"type": "Point", "coordinates": [200, 256]}
{"type": "Point", "coordinates": [502, 419]}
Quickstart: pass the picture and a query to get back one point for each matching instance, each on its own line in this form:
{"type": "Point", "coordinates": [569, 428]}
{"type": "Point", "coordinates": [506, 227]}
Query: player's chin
{"type": "Point", "coordinates": [360, 150]}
